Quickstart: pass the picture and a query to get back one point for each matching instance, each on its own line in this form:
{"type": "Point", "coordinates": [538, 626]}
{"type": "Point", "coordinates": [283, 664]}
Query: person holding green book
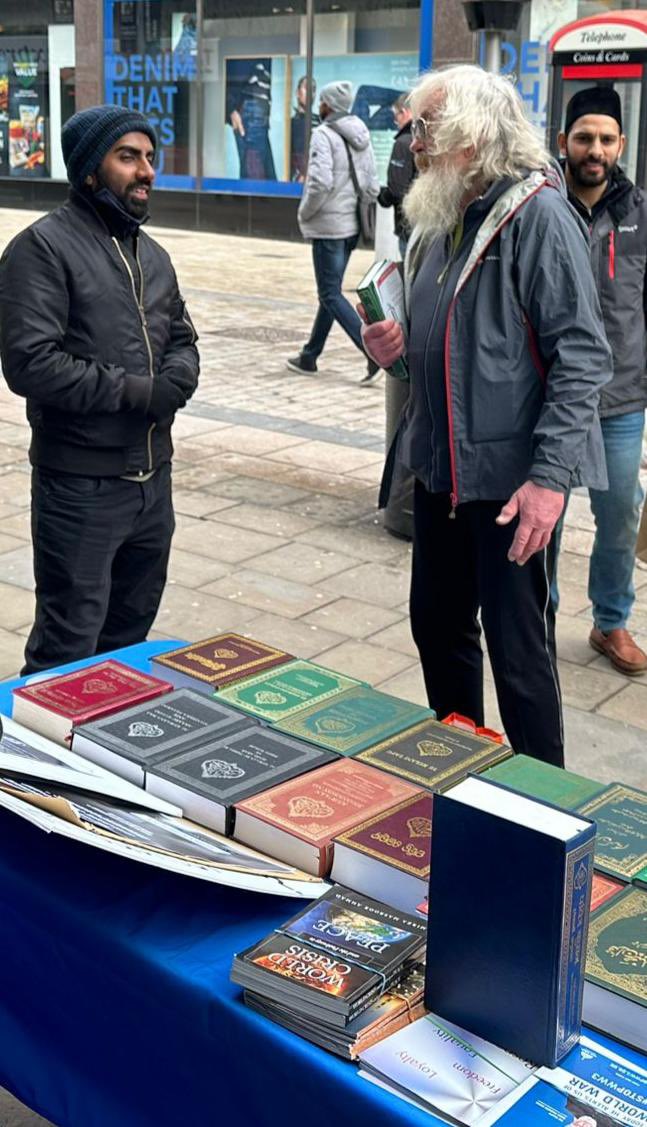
{"type": "Point", "coordinates": [507, 354]}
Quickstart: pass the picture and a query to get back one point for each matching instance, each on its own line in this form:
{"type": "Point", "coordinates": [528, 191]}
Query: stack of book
{"type": "Point", "coordinates": [399, 1006]}
{"type": "Point", "coordinates": [331, 962]}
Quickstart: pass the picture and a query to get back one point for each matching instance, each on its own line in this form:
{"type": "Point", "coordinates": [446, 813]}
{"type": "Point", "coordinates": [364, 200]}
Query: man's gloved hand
{"type": "Point", "coordinates": [383, 341]}
{"type": "Point", "coordinates": [538, 509]}
{"type": "Point", "coordinates": [166, 398]}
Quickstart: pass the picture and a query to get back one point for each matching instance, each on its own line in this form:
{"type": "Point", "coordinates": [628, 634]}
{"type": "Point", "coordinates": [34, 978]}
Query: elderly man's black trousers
{"type": "Point", "coordinates": [101, 548]}
{"type": "Point", "coordinates": [460, 567]}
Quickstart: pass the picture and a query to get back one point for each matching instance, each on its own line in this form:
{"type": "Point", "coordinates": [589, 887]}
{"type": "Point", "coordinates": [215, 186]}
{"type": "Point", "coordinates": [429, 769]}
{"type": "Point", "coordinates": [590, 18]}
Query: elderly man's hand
{"type": "Point", "coordinates": [383, 341]}
{"type": "Point", "coordinates": [538, 509]}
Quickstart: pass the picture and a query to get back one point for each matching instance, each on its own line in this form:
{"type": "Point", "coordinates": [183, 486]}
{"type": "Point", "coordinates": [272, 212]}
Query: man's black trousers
{"type": "Point", "coordinates": [101, 548]}
{"type": "Point", "coordinates": [460, 566]}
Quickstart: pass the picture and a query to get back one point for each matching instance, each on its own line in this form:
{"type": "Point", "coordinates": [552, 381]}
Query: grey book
{"type": "Point", "coordinates": [209, 780]}
{"type": "Point", "coordinates": [129, 742]}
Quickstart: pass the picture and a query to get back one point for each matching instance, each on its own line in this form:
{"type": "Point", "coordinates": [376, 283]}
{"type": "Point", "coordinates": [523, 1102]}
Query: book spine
{"type": "Point", "coordinates": [578, 880]}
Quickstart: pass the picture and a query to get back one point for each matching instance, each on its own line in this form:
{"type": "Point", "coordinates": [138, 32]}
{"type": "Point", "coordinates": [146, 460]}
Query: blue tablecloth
{"type": "Point", "coordinates": [116, 1008]}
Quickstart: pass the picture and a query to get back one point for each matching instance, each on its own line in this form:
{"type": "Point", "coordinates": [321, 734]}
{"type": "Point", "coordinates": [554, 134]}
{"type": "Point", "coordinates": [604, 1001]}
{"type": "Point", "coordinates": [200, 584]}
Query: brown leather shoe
{"type": "Point", "coordinates": [621, 650]}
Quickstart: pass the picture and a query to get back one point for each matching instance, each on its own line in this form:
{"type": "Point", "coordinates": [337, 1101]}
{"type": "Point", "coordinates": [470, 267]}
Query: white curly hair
{"type": "Point", "coordinates": [472, 108]}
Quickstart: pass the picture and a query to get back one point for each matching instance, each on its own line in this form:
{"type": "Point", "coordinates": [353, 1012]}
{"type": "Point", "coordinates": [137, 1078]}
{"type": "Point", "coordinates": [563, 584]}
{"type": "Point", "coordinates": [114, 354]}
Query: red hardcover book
{"type": "Point", "coordinates": [389, 855]}
{"type": "Point", "coordinates": [217, 661]}
{"type": "Point", "coordinates": [603, 888]}
{"type": "Point", "coordinates": [54, 705]}
{"type": "Point", "coordinates": [301, 817]}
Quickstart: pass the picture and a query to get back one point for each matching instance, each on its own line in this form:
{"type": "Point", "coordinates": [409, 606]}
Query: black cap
{"type": "Point", "coordinates": [595, 99]}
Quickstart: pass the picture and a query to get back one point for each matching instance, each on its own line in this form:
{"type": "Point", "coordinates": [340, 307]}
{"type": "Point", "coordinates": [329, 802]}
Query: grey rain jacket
{"type": "Point", "coordinates": [525, 353]}
{"type": "Point", "coordinates": [328, 208]}
{"type": "Point", "coordinates": [618, 227]}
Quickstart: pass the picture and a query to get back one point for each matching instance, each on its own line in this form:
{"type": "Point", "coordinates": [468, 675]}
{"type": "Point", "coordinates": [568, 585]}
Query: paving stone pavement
{"type": "Point", "coordinates": [275, 479]}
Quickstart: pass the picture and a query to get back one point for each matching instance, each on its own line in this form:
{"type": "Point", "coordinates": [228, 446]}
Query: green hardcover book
{"type": "Point", "coordinates": [620, 814]}
{"type": "Point", "coordinates": [641, 878]}
{"type": "Point", "coordinates": [282, 692]}
{"type": "Point", "coordinates": [541, 780]}
{"type": "Point", "coordinates": [434, 755]}
{"type": "Point", "coordinates": [615, 988]}
{"type": "Point", "coordinates": [354, 720]}
{"type": "Point", "coordinates": [381, 292]}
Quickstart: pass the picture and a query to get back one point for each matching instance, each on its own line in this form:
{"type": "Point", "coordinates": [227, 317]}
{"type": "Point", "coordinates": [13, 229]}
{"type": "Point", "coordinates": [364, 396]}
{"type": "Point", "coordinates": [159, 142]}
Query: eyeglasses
{"type": "Point", "coordinates": [421, 130]}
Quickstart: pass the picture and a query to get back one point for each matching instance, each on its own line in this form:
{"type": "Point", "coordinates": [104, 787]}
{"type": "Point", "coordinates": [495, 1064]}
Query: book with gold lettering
{"type": "Point", "coordinates": [217, 661]}
{"type": "Point", "coordinates": [332, 959]}
{"type": "Point", "coordinates": [435, 755]}
{"type": "Point", "coordinates": [280, 693]}
{"type": "Point", "coordinates": [301, 817]}
{"type": "Point", "coordinates": [53, 706]}
{"type": "Point", "coordinates": [388, 856]}
{"type": "Point", "coordinates": [615, 988]}
{"type": "Point", "coordinates": [620, 814]}
{"type": "Point", "coordinates": [354, 720]}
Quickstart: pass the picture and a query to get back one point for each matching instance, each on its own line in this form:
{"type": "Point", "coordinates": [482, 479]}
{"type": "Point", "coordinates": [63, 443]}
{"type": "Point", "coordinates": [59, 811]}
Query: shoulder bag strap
{"type": "Point", "coordinates": [351, 163]}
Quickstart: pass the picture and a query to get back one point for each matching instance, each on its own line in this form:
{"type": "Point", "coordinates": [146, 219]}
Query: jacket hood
{"type": "Point", "coordinates": [351, 128]}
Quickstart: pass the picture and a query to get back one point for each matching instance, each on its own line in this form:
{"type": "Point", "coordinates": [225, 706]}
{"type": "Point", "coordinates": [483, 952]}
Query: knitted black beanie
{"type": "Point", "coordinates": [91, 133]}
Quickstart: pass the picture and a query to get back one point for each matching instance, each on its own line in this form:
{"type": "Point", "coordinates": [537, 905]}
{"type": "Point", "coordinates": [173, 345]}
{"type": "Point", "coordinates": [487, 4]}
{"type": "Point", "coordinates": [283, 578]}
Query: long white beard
{"type": "Point", "coordinates": [433, 202]}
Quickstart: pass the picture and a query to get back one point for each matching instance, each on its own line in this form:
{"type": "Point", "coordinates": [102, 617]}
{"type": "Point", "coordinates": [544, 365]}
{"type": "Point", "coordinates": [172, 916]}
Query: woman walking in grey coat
{"type": "Point", "coordinates": [328, 215]}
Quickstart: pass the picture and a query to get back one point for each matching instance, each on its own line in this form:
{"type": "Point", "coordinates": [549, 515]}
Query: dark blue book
{"type": "Point", "coordinates": [508, 918]}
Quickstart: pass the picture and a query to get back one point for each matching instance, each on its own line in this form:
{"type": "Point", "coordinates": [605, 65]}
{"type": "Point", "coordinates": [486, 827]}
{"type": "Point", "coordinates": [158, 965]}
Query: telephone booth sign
{"type": "Point", "coordinates": [604, 50]}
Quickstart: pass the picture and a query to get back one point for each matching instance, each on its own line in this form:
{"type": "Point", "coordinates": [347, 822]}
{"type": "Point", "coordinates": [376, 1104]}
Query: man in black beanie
{"type": "Point", "coordinates": [615, 211]}
{"type": "Point", "coordinates": [95, 335]}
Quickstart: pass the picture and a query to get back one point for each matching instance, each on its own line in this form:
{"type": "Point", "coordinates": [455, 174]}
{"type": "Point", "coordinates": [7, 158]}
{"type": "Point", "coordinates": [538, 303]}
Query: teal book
{"type": "Point", "coordinates": [620, 814]}
{"type": "Point", "coordinates": [542, 780]}
{"type": "Point", "coordinates": [280, 693]}
{"type": "Point", "coordinates": [354, 720]}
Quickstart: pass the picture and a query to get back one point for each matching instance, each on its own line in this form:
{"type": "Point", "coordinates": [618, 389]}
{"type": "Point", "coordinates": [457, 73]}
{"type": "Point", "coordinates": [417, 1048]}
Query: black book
{"type": "Point", "coordinates": [333, 959]}
{"type": "Point", "coordinates": [129, 742]}
{"type": "Point", "coordinates": [209, 780]}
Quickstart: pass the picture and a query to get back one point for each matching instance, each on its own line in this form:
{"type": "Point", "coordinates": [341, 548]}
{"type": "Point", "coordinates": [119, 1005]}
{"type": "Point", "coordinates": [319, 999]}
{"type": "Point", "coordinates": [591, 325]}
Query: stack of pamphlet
{"type": "Point", "coordinates": [463, 1079]}
{"type": "Point", "coordinates": [333, 960]}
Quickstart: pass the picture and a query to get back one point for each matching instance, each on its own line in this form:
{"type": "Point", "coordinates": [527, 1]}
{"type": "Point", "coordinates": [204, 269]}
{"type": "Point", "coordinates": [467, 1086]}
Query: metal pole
{"type": "Point", "coordinates": [199, 96]}
{"type": "Point", "coordinates": [310, 39]}
{"type": "Point", "coordinates": [493, 51]}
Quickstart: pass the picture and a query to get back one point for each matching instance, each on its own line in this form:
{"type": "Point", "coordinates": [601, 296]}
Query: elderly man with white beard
{"type": "Point", "coordinates": [507, 354]}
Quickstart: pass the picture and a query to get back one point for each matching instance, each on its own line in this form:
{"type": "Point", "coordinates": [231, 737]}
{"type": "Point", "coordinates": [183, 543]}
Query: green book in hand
{"type": "Point", "coordinates": [381, 292]}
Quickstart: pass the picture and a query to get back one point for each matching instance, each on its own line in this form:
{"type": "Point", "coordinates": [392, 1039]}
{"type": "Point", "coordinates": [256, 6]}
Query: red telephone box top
{"type": "Point", "coordinates": [625, 30]}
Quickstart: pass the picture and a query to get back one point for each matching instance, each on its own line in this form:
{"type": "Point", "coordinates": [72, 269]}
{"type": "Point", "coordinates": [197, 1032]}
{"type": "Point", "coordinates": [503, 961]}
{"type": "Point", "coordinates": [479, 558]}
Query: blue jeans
{"type": "Point", "coordinates": [330, 259]}
{"type": "Point", "coordinates": [617, 516]}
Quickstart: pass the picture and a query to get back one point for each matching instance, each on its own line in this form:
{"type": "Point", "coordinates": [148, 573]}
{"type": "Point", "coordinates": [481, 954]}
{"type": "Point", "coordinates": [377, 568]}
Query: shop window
{"type": "Point", "coordinates": [151, 57]}
{"type": "Point", "coordinates": [36, 41]}
{"type": "Point", "coordinates": [254, 89]}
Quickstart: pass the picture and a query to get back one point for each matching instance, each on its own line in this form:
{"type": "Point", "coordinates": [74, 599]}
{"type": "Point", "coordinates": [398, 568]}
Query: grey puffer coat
{"type": "Point", "coordinates": [328, 209]}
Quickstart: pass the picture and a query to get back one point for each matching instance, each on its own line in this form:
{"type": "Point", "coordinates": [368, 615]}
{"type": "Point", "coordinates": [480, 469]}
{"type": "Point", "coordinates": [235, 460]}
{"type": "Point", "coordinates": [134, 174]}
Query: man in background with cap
{"type": "Point", "coordinates": [328, 216]}
{"type": "Point", "coordinates": [615, 211]}
{"type": "Point", "coordinates": [94, 334]}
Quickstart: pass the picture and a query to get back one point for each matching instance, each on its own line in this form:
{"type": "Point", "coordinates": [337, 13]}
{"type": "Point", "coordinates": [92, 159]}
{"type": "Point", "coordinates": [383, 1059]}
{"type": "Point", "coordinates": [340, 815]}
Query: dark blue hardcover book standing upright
{"type": "Point", "coordinates": [508, 922]}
